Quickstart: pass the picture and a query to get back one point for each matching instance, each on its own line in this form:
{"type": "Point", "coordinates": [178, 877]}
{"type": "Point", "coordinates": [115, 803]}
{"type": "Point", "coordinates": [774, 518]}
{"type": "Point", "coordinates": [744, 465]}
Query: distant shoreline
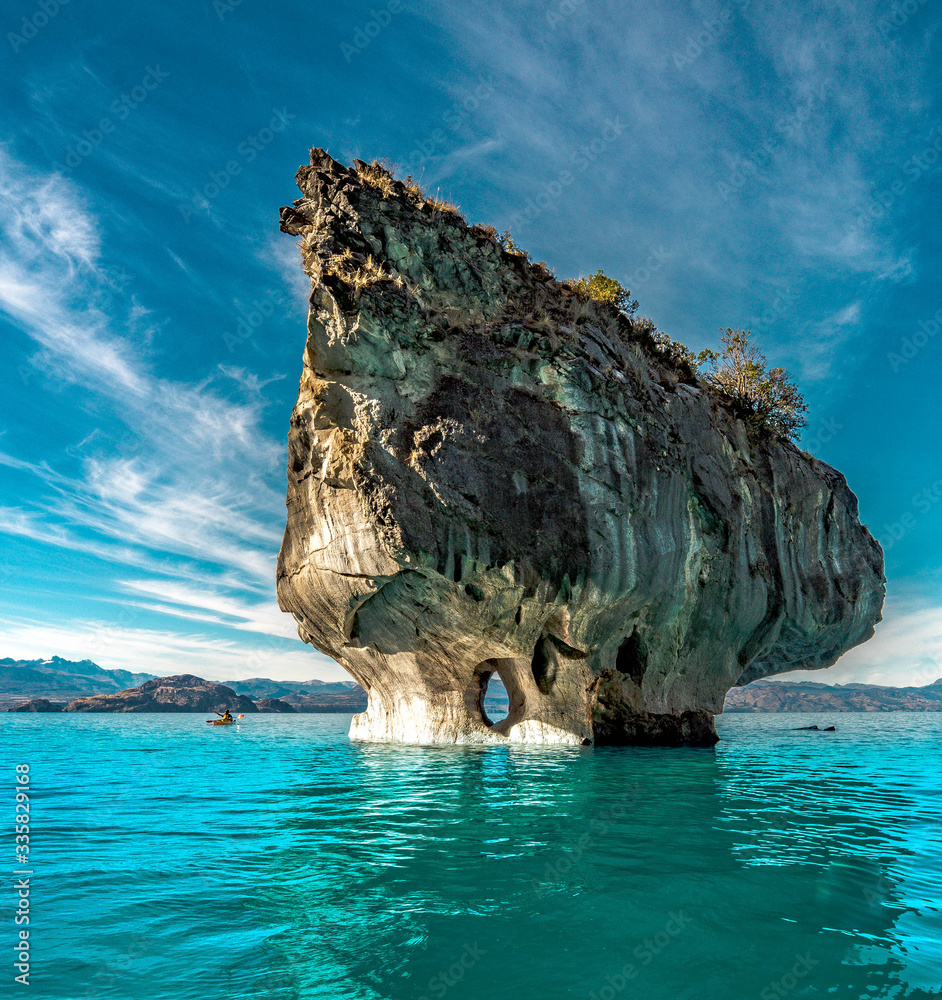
{"type": "Point", "coordinates": [58, 685]}
{"type": "Point", "coordinates": [813, 696]}
{"type": "Point", "coordinates": [344, 711]}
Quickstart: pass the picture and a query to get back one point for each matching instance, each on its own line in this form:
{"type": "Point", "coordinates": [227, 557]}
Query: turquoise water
{"type": "Point", "coordinates": [280, 860]}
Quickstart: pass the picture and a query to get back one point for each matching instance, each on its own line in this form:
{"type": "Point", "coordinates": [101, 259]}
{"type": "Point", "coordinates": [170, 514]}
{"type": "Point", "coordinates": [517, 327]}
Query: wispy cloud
{"type": "Point", "coordinates": [826, 342]}
{"type": "Point", "coordinates": [749, 163]}
{"type": "Point", "coordinates": [179, 599]}
{"type": "Point", "coordinates": [177, 468]}
{"type": "Point", "coordinates": [165, 652]}
{"type": "Point", "coordinates": [463, 158]}
{"type": "Point", "coordinates": [747, 179]}
{"type": "Point", "coordinates": [249, 381]}
{"type": "Point", "coordinates": [906, 650]}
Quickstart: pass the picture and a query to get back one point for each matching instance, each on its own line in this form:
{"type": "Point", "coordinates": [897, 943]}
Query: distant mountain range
{"type": "Point", "coordinates": [60, 680]}
{"type": "Point", "coordinates": [57, 684]}
{"type": "Point", "coordinates": [305, 696]}
{"type": "Point", "coordinates": [809, 696]}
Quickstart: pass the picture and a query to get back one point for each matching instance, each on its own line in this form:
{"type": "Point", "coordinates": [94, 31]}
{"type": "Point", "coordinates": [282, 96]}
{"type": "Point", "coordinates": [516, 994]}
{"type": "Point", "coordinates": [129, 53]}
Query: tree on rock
{"type": "Point", "coordinates": [767, 395]}
{"type": "Point", "coordinates": [602, 288]}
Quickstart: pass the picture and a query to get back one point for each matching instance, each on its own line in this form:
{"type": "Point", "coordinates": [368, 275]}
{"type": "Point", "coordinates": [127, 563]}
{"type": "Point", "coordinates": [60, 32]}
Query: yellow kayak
{"type": "Point", "coordinates": [224, 722]}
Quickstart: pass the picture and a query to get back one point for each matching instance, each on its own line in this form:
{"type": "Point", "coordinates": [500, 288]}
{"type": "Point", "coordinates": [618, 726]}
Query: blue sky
{"type": "Point", "coordinates": [771, 166]}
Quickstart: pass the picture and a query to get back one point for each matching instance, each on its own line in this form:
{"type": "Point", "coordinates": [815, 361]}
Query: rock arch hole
{"type": "Point", "coordinates": [542, 666]}
{"type": "Point", "coordinates": [632, 657]}
{"type": "Point", "coordinates": [495, 696]}
{"type": "Point", "coordinates": [496, 701]}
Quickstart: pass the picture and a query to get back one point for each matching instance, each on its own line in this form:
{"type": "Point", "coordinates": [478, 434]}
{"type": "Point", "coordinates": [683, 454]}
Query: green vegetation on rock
{"type": "Point", "coordinates": [602, 288]}
{"type": "Point", "coordinates": [767, 397]}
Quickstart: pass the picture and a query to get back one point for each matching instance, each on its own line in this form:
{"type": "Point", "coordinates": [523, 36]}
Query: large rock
{"type": "Point", "coordinates": [39, 705]}
{"type": "Point", "coordinates": [489, 474]}
{"type": "Point", "coordinates": [274, 705]}
{"type": "Point", "coordinates": [181, 693]}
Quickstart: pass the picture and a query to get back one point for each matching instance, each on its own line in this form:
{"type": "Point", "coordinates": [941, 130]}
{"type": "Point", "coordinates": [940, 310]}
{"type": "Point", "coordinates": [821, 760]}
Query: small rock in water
{"type": "Point", "coordinates": [827, 729]}
{"type": "Point", "coordinates": [38, 705]}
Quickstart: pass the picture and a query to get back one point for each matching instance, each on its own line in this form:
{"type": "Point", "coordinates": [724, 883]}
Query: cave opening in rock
{"type": "Point", "coordinates": [542, 667]}
{"type": "Point", "coordinates": [496, 701]}
{"type": "Point", "coordinates": [632, 657]}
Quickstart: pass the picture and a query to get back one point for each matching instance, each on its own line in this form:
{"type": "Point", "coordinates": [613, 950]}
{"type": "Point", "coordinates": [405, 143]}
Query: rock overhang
{"type": "Point", "coordinates": [489, 474]}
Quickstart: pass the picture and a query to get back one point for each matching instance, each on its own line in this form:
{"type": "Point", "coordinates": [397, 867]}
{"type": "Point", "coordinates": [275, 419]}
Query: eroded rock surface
{"type": "Point", "coordinates": [488, 474]}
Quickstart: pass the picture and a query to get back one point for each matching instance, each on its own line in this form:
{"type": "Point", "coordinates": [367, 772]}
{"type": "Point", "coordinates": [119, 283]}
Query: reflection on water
{"type": "Point", "coordinates": [286, 861]}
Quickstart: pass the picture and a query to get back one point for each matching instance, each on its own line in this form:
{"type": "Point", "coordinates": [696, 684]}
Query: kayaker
{"type": "Point", "coordinates": [225, 716]}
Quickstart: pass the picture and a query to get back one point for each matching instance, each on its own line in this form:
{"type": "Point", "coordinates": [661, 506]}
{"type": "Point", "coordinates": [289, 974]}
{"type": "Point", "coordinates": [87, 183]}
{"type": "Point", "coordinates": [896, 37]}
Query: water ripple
{"type": "Point", "coordinates": [282, 861]}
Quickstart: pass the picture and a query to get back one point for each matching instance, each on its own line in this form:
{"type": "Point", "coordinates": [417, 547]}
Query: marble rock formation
{"type": "Point", "coordinates": [489, 474]}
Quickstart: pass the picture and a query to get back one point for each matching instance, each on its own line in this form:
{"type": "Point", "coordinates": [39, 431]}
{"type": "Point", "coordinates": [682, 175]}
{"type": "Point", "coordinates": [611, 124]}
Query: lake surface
{"type": "Point", "coordinates": [280, 860]}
